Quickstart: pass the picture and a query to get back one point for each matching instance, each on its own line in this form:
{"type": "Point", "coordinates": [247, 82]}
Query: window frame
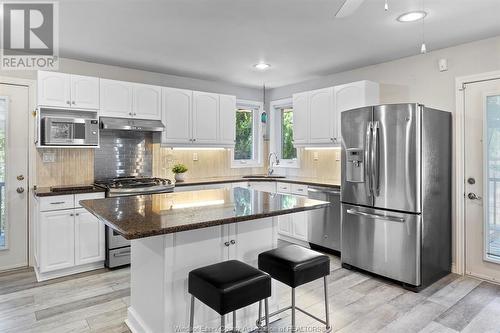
{"type": "Point", "coordinates": [276, 135]}
{"type": "Point", "coordinates": [257, 108]}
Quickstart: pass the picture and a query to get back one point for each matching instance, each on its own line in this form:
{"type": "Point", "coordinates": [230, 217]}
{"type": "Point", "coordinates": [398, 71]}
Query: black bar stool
{"type": "Point", "coordinates": [228, 286]}
{"type": "Point", "coordinates": [294, 266]}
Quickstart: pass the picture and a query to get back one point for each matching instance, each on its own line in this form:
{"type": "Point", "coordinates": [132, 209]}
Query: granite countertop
{"type": "Point", "coordinates": [48, 191]}
{"type": "Point", "coordinates": [333, 183]}
{"type": "Point", "coordinates": [157, 214]}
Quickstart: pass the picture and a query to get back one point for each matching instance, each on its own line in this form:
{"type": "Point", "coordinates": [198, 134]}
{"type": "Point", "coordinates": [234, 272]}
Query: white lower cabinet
{"type": "Point", "coordinates": [294, 227]}
{"type": "Point", "coordinates": [67, 241]}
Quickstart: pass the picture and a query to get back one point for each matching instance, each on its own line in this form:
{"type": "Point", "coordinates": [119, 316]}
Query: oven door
{"type": "Point", "coordinates": [115, 240]}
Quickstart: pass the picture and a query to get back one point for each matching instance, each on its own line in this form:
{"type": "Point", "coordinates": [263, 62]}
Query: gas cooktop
{"type": "Point", "coordinates": [135, 185]}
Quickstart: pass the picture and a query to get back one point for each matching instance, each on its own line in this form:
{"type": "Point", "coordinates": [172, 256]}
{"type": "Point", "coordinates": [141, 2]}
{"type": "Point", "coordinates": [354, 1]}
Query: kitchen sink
{"type": "Point", "coordinates": [263, 176]}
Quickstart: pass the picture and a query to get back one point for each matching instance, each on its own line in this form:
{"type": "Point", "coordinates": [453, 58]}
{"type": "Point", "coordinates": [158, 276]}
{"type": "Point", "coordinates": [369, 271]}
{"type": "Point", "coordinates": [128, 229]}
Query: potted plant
{"type": "Point", "coordinates": [180, 172]}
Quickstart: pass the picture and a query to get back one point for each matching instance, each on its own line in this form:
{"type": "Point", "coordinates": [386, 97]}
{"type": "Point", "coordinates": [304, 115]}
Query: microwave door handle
{"type": "Point", "coordinates": [376, 216]}
{"type": "Point", "coordinates": [368, 179]}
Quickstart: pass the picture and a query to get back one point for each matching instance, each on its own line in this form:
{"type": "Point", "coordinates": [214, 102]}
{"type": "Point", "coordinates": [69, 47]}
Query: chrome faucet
{"type": "Point", "coordinates": [270, 164]}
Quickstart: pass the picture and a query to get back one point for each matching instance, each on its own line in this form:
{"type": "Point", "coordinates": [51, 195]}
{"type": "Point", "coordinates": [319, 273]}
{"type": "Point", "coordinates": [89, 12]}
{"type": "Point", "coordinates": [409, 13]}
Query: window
{"type": "Point", "coordinates": [282, 133]}
{"type": "Point", "coordinates": [248, 145]}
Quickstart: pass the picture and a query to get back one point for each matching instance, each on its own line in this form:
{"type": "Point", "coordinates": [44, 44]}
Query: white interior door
{"type": "Point", "coordinates": [14, 117]}
{"type": "Point", "coordinates": [482, 179]}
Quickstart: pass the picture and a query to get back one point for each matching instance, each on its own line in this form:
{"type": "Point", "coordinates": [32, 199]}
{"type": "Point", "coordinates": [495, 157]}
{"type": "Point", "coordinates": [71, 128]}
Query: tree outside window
{"type": "Point", "coordinates": [288, 151]}
{"type": "Point", "coordinates": [243, 149]}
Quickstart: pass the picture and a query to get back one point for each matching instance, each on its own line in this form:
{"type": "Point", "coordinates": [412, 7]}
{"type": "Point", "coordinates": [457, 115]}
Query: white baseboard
{"type": "Point", "coordinates": [68, 271]}
{"type": "Point", "coordinates": [135, 323]}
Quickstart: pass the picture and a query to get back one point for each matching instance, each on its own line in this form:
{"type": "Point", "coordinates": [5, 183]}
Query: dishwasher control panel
{"type": "Point", "coordinates": [355, 166]}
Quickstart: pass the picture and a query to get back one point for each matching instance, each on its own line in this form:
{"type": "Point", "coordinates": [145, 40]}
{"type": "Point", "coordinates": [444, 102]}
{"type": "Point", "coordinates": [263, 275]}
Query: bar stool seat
{"type": "Point", "coordinates": [228, 286]}
{"type": "Point", "coordinates": [294, 266]}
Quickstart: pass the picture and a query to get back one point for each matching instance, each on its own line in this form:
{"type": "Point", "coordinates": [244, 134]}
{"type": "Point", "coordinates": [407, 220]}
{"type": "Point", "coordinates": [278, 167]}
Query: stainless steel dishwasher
{"type": "Point", "coordinates": [324, 224]}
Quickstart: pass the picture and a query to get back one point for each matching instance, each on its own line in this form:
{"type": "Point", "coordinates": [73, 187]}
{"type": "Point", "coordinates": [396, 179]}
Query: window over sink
{"type": "Point", "coordinates": [247, 150]}
{"type": "Point", "coordinates": [282, 133]}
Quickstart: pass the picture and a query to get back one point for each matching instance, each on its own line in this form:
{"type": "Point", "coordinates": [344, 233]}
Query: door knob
{"type": "Point", "coordinates": [20, 177]}
{"type": "Point", "coordinates": [471, 180]}
{"type": "Point", "coordinates": [20, 190]}
{"type": "Point", "coordinates": [473, 196]}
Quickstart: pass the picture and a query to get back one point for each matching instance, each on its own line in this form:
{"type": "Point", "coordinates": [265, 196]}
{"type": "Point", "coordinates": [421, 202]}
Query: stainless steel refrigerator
{"type": "Point", "coordinates": [396, 192]}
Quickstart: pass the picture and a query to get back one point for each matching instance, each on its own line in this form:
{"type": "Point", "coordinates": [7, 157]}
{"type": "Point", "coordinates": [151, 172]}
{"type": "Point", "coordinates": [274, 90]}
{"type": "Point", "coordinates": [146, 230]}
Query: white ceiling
{"type": "Point", "coordinates": [222, 39]}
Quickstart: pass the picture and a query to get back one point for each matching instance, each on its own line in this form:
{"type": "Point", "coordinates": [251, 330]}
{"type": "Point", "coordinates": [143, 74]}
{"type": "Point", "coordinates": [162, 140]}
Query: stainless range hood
{"type": "Point", "coordinates": [109, 123]}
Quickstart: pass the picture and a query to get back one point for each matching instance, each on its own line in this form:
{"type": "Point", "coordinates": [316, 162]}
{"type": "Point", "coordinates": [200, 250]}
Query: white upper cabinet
{"type": "Point", "coordinates": [301, 118]}
{"type": "Point", "coordinates": [205, 117]}
{"type": "Point", "coordinates": [321, 115]}
{"type": "Point", "coordinates": [116, 98]}
{"type": "Point", "coordinates": [130, 100]}
{"type": "Point", "coordinates": [227, 119]}
{"type": "Point", "coordinates": [317, 113]}
{"type": "Point", "coordinates": [66, 90]}
{"type": "Point", "coordinates": [176, 115]}
{"type": "Point", "coordinates": [54, 89]}
{"type": "Point", "coordinates": [84, 92]}
{"type": "Point", "coordinates": [147, 102]}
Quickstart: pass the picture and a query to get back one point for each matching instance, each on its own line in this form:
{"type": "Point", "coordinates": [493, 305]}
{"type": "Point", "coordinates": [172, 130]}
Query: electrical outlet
{"type": "Point", "coordinates": [337, 155]}
{"type": "Point", "coordinates": [316, 156]}
{"type": "Point", "coordinates": [195, 156]}
{"type": "Point", "coordinates": [49, 157]}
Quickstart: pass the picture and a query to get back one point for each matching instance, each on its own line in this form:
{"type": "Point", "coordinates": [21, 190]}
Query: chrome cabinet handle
{"type": "Point", "coordinates": [71, 214]}
{"type": "Point", "coordinates": [73, 102]}
{"type": "Point", "coordinates": [68, 102]}
{"type": "Point", "coordinates": [376, 216]}
{"type": "Point", "coordinates": [57, 202]}
{"type": "Point", "coordinates": [233, 241]}
{"type": "Point", "coordinates": [227, 243]}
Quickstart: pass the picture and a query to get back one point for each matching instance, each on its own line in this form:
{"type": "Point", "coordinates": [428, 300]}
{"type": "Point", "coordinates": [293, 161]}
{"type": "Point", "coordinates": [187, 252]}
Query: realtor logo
{"type": "Point", "coordinates": [29, 35]}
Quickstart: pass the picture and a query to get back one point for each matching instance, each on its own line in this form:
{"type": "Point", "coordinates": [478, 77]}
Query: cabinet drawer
{"type": "Point", "coordinates": [87, 196]}
{"type": "Point", "coordinates": [57, 202]}
{"type": "Point", "coordinates": [283, 188]}
{"type": "Point", "coordinates": [299, 189]}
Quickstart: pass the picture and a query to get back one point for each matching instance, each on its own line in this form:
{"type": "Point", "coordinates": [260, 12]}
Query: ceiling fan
{"type": "Point", "coordinates": [350, 6]}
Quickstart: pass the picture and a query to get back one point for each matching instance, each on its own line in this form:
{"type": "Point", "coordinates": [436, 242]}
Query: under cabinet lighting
{"type": "Point", "coordinates": [322, 148]}
{"type": "Point", "coordinates": [198, 148]}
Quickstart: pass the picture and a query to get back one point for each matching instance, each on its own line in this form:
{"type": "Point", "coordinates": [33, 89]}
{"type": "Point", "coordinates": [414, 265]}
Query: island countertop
{"type": "Point", "coordinates": [158, 214]}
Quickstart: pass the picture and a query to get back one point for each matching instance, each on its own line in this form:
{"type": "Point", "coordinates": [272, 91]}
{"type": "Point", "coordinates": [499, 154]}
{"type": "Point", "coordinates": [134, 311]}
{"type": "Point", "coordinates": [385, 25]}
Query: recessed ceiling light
{"type": "Point", "coordinates": [262, 66]}
{"type": "Point", "coordinates": [412, 16]}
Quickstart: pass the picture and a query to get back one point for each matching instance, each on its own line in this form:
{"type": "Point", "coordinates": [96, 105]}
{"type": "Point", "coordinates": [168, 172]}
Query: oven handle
{"type": "Point", "coordinates": [376, 216]}
{"type": "Point", "coordinates": [122, 254]}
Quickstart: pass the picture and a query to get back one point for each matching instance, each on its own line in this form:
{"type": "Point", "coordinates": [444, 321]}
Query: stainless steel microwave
{"type": "Point", "coordinates": [62, 131]}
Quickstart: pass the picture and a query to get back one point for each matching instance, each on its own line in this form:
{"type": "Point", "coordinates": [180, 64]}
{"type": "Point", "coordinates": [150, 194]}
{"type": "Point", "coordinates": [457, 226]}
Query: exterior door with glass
{"type": "Point", "coordinates": [14, 120]}
{"type": "Point", "coordinates": [482, 179]}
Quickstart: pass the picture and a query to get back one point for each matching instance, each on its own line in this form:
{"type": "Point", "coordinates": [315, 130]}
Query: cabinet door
{"type": "Point", "coordinates": [263, 186]}
{"type": "Point", "coordinates": [299, 225]}
{"type": "Point", "coordinates": [285, 225]}
{"type": "Point", "coordinates": [84, 92]}
{"type": "Point", "coordinates": [147, 102]}
{"type": "Point", "coordinates": [249, 239]}
{"type": "Point", "coordinates": [300, 118]}
{"type": "Point", "coordinates": [54, 89]}
{"type": "Point", "coordinates": [176, 115]}
{"type": "Point", "coordinates": [89, 238]}
{"type": "Point", "coordinates": [57, 240]}
{"type": "Point", "coordinates": [227, 122]}
{"type": "Point", "coordinates": [205, 117]}
{"type": "Point", "coordinates": [320, 117]}
{"type": "Point", "coordinates": [116, 98]}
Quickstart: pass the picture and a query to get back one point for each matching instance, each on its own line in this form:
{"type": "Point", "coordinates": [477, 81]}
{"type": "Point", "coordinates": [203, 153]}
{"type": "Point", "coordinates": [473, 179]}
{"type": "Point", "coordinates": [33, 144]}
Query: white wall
{"type": "Point", "coordinates": [416, 79]}
{"type": "Point", "coordinates": [133, 75]}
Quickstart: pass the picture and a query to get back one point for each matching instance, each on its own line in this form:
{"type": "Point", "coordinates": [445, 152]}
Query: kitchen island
{"type": "Point", "coordinates": [175, 233]}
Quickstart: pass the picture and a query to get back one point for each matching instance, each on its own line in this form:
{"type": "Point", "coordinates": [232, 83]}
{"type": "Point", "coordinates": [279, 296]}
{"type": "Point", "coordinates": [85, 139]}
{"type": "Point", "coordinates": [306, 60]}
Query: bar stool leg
{"type": "Point", "coordinates": [191, 315]}
{"type": "Point", "coordinates": [326, 305]}
{"type": "Point", "coordinates": [234, 321]}
{"type": "Point", "coordinates": [293, 309]}
{"type": "Point", "coordinates": [222, 324]}
{"type": "Point", "coordinates": [259, 324]}
{"type": "Point", "coordinates": [266, 307]}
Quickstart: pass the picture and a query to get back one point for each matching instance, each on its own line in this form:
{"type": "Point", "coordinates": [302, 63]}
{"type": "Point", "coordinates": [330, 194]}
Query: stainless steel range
{"type": "Point", "coordinates": [117, 247]}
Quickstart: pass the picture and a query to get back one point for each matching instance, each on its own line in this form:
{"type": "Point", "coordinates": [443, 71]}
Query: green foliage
{"type": "Point", "coordinates": [243, 149]}
{"type": "Point", "coordinates": [179, 168]}
{"type": "Point", "coordinates": [288, 151]}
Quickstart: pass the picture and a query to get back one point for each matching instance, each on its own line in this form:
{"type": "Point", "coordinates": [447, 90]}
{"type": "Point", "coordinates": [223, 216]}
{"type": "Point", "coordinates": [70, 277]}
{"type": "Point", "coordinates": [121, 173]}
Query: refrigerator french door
{"type": "Point", "coordinates": [396, 192]}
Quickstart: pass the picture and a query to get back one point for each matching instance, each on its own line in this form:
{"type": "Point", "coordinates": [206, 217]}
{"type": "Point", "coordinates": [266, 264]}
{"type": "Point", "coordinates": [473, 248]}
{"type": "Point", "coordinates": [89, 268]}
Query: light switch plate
{"type": "Point", "coordinates": [195, 156]}
{"type": "Point", "coordinates": [49, 157]}
{"type": "Point", "coordinates": [315, 156]}
{"type": "Point", "coordinates": [337, 155]}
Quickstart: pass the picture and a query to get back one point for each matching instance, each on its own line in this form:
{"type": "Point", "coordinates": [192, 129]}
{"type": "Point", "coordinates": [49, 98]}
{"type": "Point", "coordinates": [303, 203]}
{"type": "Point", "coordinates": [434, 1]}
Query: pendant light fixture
{"type": "Point", "coordinates": [386, 5]}
{"type": "Point", "coordinates": [423, 48]}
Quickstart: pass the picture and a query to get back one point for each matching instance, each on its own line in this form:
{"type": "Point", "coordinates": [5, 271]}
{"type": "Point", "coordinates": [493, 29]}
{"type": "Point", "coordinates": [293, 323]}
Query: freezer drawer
{"type": "Point", "coordinates": [382, 242]}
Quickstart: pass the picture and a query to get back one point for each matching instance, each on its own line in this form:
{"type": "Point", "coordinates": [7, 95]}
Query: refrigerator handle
{"type": "Point", "coordinates": [374, 163]}
{"type": "Point", "coordinates": [368, 178]}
